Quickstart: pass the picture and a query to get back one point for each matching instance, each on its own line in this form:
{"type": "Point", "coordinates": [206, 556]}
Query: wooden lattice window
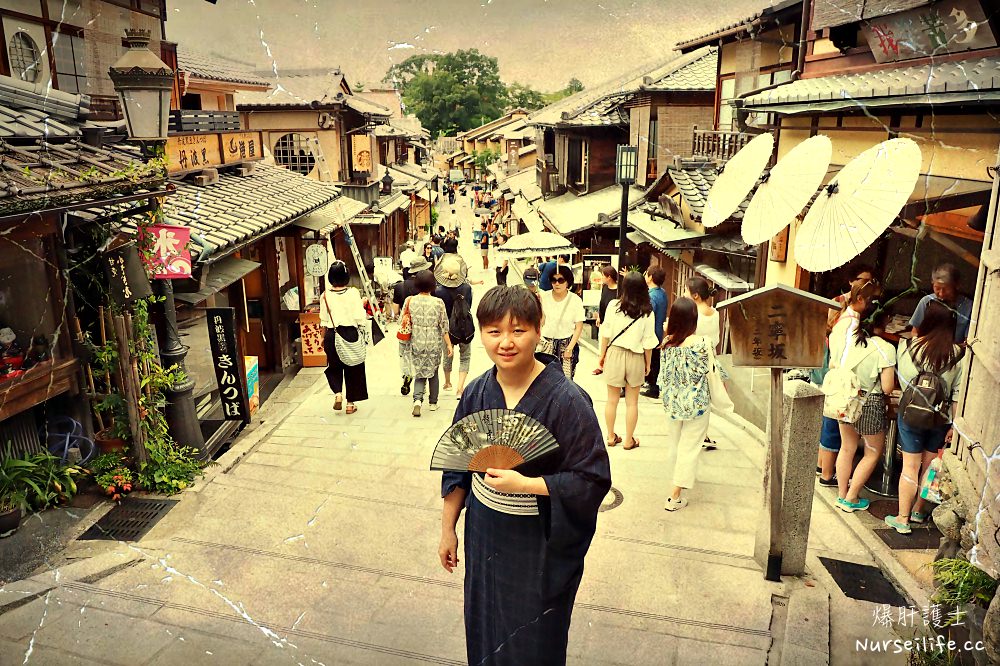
{"type": "Point", "coordinates": [293, 151]}
{"type": "Point", "coordinates": [25, 58]}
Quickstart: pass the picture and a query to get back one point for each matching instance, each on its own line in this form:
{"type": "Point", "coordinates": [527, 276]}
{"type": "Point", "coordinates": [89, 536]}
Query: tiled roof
{"type": "Point", "coordinates": [325, 218]}
{"type": "Point", "coordinates": [737, 26]}
{"type": "Point", "coordinates": [697, 75]}
{"type": "Point", "coordinates": [660, 232]}
{"type": "Point", "coordinates": [46, 175]}
{"type": "Point", "coordinates": [366, 107]}
{"type": "Point", "coordinates": [309, 88]}
{"type": "Point", "coordinates": [694, 184]}
{"type": "Point", "coordinates": [238, 209]}
{"type": "Point", "coordinates": [968, 81]}
{"type": "Point", "coordinates": [598, 105]}
{"type": "Point", "coordinates": [569, 213]}
{"type": "Point", "coordinates": [216, 68]}
{"type": "Point", "coordinates": [530, 148]}
{"type": "Point", "coordinates": [424, 174]}
{"type": "Point", "coordinates": [34, 124]}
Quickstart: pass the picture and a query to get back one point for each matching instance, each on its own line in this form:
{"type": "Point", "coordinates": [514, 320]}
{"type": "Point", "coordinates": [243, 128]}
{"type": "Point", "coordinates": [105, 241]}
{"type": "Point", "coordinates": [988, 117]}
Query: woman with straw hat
{"type": "Point", "coordinates": [454, 289]}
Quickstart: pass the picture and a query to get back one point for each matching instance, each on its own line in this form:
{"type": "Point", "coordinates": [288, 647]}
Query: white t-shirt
{"type": "Point", "coordinates": [342, 308]}
{"type": "Point", "coordinates": [639, 336]}
{"type": "Point", "coordinates": [709, 327]}
{"type": "Point", "coordinates": [867, 361]}
{"type": "Point", "coordinates": [560, 318]}
{"type": "Point", "coordinates": [406, 256]}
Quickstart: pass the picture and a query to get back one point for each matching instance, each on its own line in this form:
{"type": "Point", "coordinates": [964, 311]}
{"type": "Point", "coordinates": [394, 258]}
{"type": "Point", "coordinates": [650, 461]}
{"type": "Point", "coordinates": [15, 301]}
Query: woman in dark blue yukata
{"type": "Point", "coordinates": [526, 531]}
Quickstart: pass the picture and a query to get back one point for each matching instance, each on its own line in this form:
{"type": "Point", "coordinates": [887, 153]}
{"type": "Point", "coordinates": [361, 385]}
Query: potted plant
{"type": "Point", "coordinates": [112, 474]}
{"type": "Point", "coordinates": [115, 436]}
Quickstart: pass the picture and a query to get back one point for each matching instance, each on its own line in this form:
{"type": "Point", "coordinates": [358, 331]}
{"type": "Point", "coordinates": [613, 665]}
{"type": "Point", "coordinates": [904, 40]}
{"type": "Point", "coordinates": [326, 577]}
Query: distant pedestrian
{"type": "Point", "coordinates": [562, 323]}
{"type": "Point", "coordinates": [546, 270]}
{"type": "Point", "coordinates": [687, 363]}
{"type": "Point", "coordinates": [503, 267]}
{"type": "Point", "coordinates": [627, 344]}
{"type": "Point", "coordinates": [609, 290]}
{"type": "Point", "coordinates": [428, 252]}
{"type": "Point", "coordinates": [660, 302]}
{"type": "Point", "coordinates": [344, 322]}
{"type": "Point", "coordinates": [484, 244]}
{"type": "Point", "coordinates": [699, 291]}
{"type": "Point", "coordinates": [436, 250]}
{"type": "Point", "coordinates": [455, 291]}
{"type": "Point", "coordinates": [400, 293]}
{"type": "Point", "coordinates": [406, 256]}
{"type": "Point", "coordinates": [428, 338]}
{"type": "Point", "coordinates": [450, 243]}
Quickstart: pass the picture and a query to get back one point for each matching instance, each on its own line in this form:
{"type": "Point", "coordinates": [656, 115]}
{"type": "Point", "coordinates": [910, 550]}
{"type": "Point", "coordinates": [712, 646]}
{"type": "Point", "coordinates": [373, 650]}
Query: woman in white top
{"type": "Point", "coordinates": [627, 341]}
{"type": "Point", "coordinates": [562, 319]}
{"type": "Point", "coordinates": [872, 360]}
{"type": "Point", "coordinates": [341, 314]}
{"type": "Point", "coordinates": [700, 292]}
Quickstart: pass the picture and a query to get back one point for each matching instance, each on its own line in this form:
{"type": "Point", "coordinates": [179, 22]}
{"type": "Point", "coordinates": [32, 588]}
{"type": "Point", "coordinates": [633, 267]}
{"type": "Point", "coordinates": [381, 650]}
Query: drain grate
{"type": "Point", "coordinates": [129, 521]}
{"type": "Point", "coordinates": [921, 538]}
{"type": "Point", "coordinates": [863, 582]}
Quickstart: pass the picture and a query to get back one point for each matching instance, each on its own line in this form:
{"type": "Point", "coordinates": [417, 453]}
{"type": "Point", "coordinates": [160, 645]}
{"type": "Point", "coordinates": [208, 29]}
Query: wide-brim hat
{"type": "Point", "coordinates": [419, 263]}
{"type": "Point", "coordinates": [451, 271]}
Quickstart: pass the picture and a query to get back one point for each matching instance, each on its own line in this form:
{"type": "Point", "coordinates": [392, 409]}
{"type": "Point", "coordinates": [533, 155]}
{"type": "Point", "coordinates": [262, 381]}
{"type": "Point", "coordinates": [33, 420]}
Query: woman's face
{"type": "Point", "coordinates": [609, 281]}
{"type": "Point", "coordinates": [559, 285]}
{"type": "Point", "coordinates": [427, 251]}
{"type": "Point", "coordinates": [510, 344]}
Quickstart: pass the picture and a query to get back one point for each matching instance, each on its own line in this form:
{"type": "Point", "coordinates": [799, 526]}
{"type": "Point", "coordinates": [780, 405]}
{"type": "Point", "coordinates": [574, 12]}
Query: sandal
{"type": "Point", "coordinates": [615, 439]}
{"type": "Point", "coordinates": [338, 402]}
{"type": "Point", "coordinates": [350, 408]}
{"type": "Point", "coordinates": [635, 445]}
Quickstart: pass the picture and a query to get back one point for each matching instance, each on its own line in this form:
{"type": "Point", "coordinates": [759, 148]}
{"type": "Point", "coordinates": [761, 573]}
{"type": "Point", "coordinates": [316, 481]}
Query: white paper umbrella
{"type": "Point", "coordinates": [787, 189]}
{"type": "Point", "coordinates": [535, 243]}
{"type": "Point", "coordinates": [858, 205]}
{"type": "Point", "coordinates": [738, 177]}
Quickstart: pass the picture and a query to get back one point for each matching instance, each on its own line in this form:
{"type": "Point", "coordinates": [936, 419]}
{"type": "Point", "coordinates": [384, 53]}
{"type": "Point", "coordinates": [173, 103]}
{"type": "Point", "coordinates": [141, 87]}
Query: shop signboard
{"type": "Point", "coordinates": [253, 383]}
{"type": "Point", "coordinates": [240, 147]}
{"type": "Point", "coordinates": [193, 152]}
{"type": "Point", "coordinates": [168, 256]}
{"type": "Point", "coordinates": [951, 26]}
{"type": "Point", "coordinates": [226, 361]}
{"type": "Point", "coordinates": [316, 260]}
{"type": "Point", "coordinates": [127, 279]}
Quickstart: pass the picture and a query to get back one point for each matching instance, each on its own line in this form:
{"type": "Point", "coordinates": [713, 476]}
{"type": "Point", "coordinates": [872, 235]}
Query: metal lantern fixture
{"type": "Point", "coordinates": [386, 183]}
{"type": "Point", "coordinates": [143, 83]}
{"type": "Point", "coordinates": [626, 170]}
{"type": "Point", "coordinates": [626, 165]}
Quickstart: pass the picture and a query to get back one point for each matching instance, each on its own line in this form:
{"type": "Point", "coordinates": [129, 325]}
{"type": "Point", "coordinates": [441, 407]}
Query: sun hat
{"type": "Point", "coordinates": [417, 264]}
{"type": "Point", "coordinates": [451, 271]}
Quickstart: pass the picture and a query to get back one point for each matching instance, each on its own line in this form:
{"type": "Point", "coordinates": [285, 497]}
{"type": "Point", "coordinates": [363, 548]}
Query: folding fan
{"type": "Point", "coordinates": [492, 438]}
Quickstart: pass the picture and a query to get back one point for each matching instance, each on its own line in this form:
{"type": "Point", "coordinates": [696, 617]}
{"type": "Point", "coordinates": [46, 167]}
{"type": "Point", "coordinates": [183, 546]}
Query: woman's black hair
{"type": "Point", "coordinates": [428, 246]}
{"type": "Point", "coordinates": [682, 322]}
{"type": "Point", "coordinates": [424, 282]}
{"type": "Point", "coordinates": [698, 286]}
{"type": "Point", "coordinates": [873, 318]}
{"type": "Point", "coordinates": [609, 272]}
{"type": "Point", "coordinates": [522, 305]}
{"type": "Point", "coordinates": [338, 275]}
{"type": "Point", "coordinates": [935, 347]}
{"type": "Point", "coordinates": [566, 272]}
{"type": "Point", "coordinates": [633, 296]}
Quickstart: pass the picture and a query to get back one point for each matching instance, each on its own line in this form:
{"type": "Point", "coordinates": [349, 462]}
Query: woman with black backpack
{"type": "Point", "coordinates": [453, 288]}
{"type": "Point", "coordinates": [930, 372]}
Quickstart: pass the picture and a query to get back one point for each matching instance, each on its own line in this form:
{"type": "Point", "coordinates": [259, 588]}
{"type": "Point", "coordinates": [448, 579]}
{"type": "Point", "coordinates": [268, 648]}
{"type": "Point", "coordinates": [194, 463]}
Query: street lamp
{"type": "Point", "coordinates": [143, 83]}
{"type": "Point", "coordinates": [386, 183]}
{"type": "Point", "coordinates": [626, 169]}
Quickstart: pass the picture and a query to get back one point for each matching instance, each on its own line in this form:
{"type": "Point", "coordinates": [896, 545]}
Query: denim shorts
{"type": "Point", "coordinates": [918, 440]}
{"type": "Point", "coordinates": [829, 436]}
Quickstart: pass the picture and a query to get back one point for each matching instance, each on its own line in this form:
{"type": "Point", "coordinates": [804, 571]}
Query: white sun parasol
{"type": "Point", "coordinates": [786, 189]}
{"type": "Point", "coordinates": [535, 243]}
{"type": "Point", "coordinates": [858, 205]}
{"type": "Point", "coordinates": [736, 180]}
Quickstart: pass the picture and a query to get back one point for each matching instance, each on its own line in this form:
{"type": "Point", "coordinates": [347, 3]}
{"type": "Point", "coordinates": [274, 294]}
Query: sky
{"type": "Point", "coordinates": [542, 43]}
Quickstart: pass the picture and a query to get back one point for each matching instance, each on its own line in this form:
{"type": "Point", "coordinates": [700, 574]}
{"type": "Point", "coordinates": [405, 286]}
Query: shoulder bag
{"type": "Point", "coordinates": [844, 397]}
{"type": "Point", "coordinates": [718, 395]}
{"type": "Point", "coordinates": [405, 331]}
{"type": "Point", "coordinates": [350, 352]}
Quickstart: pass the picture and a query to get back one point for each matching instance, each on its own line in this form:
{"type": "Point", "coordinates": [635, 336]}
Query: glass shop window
{"type": "Point", "coordinates": [28, 325]}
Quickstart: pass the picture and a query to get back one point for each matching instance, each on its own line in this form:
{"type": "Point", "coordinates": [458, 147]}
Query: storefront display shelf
{"type": "Point", "coordinates": [44, 381]}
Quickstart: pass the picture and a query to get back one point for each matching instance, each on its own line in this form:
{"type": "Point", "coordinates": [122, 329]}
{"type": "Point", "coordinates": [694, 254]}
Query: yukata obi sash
{"type": "Point", "coordinates": [509, 503]}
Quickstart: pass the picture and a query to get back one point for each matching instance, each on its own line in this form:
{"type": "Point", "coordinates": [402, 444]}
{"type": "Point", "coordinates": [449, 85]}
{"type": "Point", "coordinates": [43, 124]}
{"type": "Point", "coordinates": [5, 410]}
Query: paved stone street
{"type": "Point", "coordinates": [315, 542]}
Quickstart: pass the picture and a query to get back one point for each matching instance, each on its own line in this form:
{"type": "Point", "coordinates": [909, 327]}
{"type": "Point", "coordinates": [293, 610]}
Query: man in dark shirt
{"type": "Point", "coordinates": [436, 250]}
{"type": "Point", "coordinates": [450, 243]}
{"type": "Point", "coordinates": [660, 302]}
{"type": "Point", "coordinates": [400, 293]}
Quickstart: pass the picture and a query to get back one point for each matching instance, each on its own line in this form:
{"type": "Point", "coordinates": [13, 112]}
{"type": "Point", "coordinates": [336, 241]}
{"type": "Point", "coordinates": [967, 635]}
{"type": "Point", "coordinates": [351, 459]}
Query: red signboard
{"type": "Point", "coordinates": [169, 256]}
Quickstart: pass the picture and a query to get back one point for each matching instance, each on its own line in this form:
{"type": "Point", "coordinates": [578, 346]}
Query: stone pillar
{"type": "Point", "coordinates": [803, 415]}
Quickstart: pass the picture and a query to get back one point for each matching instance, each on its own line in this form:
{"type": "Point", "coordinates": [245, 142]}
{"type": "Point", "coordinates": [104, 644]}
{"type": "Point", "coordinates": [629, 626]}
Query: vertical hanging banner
{"type": "Point", "coordinates": [169, 257]}
{"type": "Point", "coordinates": [226, 360]}
{"type": "Point", "coordinates": [127, 281]}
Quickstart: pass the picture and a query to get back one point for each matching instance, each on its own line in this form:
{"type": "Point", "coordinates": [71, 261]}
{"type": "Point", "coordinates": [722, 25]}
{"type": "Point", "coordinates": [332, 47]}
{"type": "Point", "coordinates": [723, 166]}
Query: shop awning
{"type": "Point", "coordinates": [569, 213]}
{"type": "Point", "coordinates": [658, 232]}
{"type": "Point", "coordinates": [456, 175]}
{"type": "Point", "coordinates": [527, 214]}
{"type": "Point", "coordinates": [724, 279]}
{"type": "Point", "coordinates": [934, 194]}
{"type": "Point", "coordinates": [221, 274]}
{"type": "Point", "coordinates": [422, 194]}
{"type": "Point", "coordinates": [325, 219]}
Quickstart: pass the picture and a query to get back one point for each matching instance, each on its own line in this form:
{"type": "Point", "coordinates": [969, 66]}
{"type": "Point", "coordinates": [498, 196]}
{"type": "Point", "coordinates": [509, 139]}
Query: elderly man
{"type": "Point", "coordinates": [945, 281]}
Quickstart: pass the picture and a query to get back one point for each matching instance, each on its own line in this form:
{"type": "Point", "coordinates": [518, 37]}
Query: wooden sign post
{"type": "Point", "coordinates": [777, 327]}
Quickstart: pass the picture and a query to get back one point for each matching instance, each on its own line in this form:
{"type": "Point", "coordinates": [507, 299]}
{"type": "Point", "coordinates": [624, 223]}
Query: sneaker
{"type": "Point", "coordinates": [675, 504]}
{"type": "Point", "coordinates": [405, 388]}
{"type": "Point", "coordinates": [434, 406]}
{"type": "Point", "coordinates": [902, 528]}
{"type": "Point", "coordinates": [819, 470]}
{"type": "Point", "coordinates": [850, 507]}
{"type": "Point", "coordinates": [416, 409]}
{"type": "Point", "coordinates": [650, 393]}
{"type": "Point", "coordinates": [832, 481]}
{"type": "Point", "coordinates": [917, 517]}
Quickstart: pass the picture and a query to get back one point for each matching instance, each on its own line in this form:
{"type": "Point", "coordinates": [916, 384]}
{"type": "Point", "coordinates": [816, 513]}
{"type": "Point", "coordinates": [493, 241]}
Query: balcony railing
{"type": "Point", "coordinates": [718, 145]}
{"type": "Point", "coordinates": [204, 121]}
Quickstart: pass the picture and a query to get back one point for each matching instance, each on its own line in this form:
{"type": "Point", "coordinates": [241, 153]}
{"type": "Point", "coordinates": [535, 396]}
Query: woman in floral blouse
{"type": "Point", "coordinates": [686, 364]}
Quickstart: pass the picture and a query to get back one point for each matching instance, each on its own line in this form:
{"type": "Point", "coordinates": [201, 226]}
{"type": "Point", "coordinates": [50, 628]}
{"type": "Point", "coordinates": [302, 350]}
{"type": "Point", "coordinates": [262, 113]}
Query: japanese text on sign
{"type": "Point", "coordinates": [225, 357]}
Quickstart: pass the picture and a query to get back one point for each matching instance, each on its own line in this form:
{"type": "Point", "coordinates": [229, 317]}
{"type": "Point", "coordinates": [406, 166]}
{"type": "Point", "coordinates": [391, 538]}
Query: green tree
{"type": "Point", "coordinates": [575, 86]}
{"type": "Point", "coordinates": [452, 91]}
{"type": "Point", "coordinates": [524, 97]}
